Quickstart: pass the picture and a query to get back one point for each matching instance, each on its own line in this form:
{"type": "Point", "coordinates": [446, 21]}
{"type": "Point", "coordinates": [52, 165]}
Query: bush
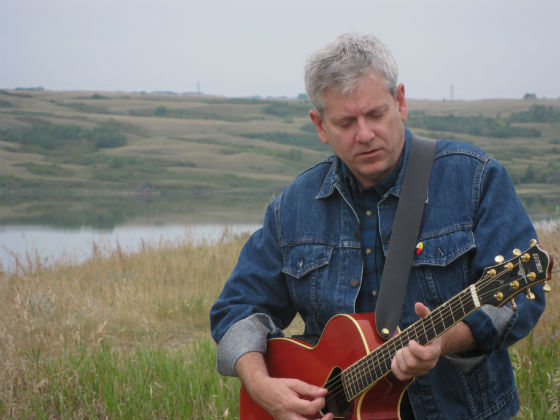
{"type": "Point", "coordinates": [104, 137]}
{"type": "Point", "coordinates": [53, 136]}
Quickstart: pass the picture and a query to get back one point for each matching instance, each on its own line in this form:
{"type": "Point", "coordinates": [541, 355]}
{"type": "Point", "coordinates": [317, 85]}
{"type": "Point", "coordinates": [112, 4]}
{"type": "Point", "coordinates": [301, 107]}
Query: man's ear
{"type": "Point", "coordinates": [401, 102]}
{"type": "Point", "coordinates": [319, 126]}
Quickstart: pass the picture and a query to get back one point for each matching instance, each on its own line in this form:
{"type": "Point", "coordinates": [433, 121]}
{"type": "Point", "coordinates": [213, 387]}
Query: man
{"type": "Point", "coordinates": [321, 250]}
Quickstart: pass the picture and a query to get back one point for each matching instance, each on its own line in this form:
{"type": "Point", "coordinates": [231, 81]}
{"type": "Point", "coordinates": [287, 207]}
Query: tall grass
{"type": "Point", "coordinates": [119, 336]}
{"type": "Point", "coordinates": [126, 336]}
{"type": "Point", "coordinates": [535, 359]}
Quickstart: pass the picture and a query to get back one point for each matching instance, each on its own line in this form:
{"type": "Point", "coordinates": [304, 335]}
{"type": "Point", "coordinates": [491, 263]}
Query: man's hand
{"type": "Point", "coordinates": [282, 398]}
{"type": "Point", "coordinates": [415, 359]}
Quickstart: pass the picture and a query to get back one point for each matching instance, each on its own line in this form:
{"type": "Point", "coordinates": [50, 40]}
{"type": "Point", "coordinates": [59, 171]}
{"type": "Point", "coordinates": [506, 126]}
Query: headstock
{"type": "Point", "coordinates": [506, 279]}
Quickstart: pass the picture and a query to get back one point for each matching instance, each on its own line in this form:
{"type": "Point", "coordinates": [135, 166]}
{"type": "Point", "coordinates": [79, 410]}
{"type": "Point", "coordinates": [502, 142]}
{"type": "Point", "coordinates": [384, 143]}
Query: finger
{"type": "Point", "coordinates": [308, 390]}
{"type": "Point", "coordinates": [307, 407]}
{"type": "Point", "coordinates": [310, 398]}
{"type": "Point", "coordinates": [421, 309]}
{"type": "Point", "coordinates": [328, 416]}
{"type": "Point", "coordinates": [399, 365]}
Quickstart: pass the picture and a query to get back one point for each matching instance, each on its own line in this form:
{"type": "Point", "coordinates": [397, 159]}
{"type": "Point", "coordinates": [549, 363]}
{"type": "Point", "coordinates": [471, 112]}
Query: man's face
{"type": "Point", "coordinates": [364, 128]}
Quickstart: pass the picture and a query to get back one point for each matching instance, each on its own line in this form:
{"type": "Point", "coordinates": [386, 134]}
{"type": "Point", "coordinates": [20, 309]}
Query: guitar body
{"type": "Point", "coordinates": [346, 339]}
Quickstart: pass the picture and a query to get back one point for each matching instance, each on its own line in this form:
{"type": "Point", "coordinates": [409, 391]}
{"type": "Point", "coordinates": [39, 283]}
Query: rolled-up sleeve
{"type": "Point", "coordinates": [247, 335]}
{"type": "Point", "coordinates": [255, 303]}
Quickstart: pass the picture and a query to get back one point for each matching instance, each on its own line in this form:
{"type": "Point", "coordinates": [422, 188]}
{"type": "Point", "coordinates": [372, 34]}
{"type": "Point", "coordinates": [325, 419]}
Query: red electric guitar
{"type": "Point", "coordinates": [353, 362]}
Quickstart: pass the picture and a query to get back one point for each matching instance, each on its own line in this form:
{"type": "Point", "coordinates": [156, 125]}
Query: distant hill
{"type": "Point", "coordinates": [100, 158]}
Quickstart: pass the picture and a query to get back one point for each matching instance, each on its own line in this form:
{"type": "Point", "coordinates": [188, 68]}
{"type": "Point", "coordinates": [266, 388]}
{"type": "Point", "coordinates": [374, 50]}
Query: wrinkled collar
{"type": "Point", "coordinates": [340, 178]}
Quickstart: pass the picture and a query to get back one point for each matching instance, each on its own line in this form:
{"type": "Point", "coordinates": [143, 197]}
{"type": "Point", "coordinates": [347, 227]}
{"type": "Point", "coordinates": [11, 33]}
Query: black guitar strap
{"type": "Point", "coordinates": [405, 235]}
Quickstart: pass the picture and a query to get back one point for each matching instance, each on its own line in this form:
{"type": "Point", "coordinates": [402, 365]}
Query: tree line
{"type": "Point", "coordinates": [475, 125]}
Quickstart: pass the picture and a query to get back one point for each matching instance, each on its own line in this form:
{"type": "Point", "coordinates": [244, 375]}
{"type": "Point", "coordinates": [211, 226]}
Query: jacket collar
{"type": "Point", "coordinates": [335, 178]}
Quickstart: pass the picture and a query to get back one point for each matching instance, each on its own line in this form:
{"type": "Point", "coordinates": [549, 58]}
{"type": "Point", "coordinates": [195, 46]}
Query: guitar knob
{"type": "Point", "coordinates": [499, 259]}
{"type": "Point", "coordinates": [546, 287]}
{"type": "Point", "coordinates": [530, 295]}
{"type": "Point", "coordinates": [516, 252]}
{"type": "Point", "coordinates": [533, 242]}
{"type": "Point", "coordinates": [513, 305]}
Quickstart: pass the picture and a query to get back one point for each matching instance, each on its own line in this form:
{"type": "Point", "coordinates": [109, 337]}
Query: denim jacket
{"type": "Point", "coordinates": [307, 258]}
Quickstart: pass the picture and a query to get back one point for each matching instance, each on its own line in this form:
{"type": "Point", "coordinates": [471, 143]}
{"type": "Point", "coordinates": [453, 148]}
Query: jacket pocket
{"type": "Point", "coordinates": [444, 247]}
{"type": "Point", "coordinates": [306, 270]}
{"type": "Point", "coordinates": [440, 271]}
{"type": "Point", "coordinates": [300, 260]}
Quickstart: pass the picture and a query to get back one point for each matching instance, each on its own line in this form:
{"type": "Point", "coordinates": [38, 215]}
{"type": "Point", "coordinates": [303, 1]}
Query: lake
{"type": "Point", "coordinates": [52, 244]}
{"type": "Point", "coordinates": [76, 245]}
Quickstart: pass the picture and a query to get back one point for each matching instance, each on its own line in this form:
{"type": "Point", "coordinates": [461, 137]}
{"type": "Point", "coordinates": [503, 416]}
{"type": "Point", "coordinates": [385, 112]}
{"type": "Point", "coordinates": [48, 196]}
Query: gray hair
{"type": "Point", "coordinates": [344, 63]}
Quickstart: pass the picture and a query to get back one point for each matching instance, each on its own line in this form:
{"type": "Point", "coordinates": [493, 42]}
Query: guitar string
{"type": "Point", "coordinates": [446, 311]}
{"type": "Point", "coordinates": [395, 342]}
{"type": "Point", "coordinates": [354, 376]}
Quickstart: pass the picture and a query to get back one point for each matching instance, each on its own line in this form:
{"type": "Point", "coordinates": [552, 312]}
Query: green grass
{"type": "Point", "coordinates": [144, 383]}
{"type": "Point", "coordinates": [537, 374]}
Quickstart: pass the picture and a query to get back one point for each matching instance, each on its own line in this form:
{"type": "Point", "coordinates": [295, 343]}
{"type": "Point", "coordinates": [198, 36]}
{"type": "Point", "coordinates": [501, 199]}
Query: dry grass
{"type": "Point", "coordinates": [161, 293]}
{"type": "Point", "coordinates": [545, 330]}
{"type": "Point", "coordinates": [116, 310]}
{"type": "Point", "coordinates": [103, 311]}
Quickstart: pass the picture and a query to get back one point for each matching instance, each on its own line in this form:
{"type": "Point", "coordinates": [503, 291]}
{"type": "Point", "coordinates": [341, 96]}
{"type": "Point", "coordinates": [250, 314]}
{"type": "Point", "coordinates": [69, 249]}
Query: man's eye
{"type": "Point", "coordinates": [345, 124]}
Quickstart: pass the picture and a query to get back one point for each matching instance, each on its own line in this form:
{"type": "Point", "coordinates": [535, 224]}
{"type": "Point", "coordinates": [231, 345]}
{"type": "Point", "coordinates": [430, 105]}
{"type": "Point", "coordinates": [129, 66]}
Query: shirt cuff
{"type": "Point", "coordinates": [247, 335]}
{"type": "Point", "coordinates": [488, 326]}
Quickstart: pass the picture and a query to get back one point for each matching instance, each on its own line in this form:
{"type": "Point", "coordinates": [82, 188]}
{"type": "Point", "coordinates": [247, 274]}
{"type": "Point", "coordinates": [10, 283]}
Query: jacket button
{"type": "Point", "coordinates": [354, 283]}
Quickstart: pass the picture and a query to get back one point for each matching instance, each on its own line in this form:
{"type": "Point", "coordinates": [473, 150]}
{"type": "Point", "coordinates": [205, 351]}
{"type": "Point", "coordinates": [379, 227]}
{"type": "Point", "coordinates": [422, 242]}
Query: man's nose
{"type": "Point", "coordinates": [365, 133]}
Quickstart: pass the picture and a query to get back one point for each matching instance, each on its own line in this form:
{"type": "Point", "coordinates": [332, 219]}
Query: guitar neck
{"type": "Point", "coordinates": [368, 370]}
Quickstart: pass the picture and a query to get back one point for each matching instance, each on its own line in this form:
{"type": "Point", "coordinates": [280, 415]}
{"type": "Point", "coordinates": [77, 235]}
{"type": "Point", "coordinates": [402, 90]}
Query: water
{"type": "Point", "coordinates": [50, 245]}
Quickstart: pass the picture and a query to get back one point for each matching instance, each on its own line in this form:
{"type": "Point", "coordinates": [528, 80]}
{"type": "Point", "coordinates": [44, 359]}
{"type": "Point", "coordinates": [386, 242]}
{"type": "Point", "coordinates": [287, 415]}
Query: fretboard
{"type": "Point", "coordinates": [368, 370]}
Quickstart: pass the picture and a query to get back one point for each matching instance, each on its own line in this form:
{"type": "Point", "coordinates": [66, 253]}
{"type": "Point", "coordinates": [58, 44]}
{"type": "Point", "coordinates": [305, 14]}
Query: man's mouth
{"type": "Point", "coordinates": [369, 153]}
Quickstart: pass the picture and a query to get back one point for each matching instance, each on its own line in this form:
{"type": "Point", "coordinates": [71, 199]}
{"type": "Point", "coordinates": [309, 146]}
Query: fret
{"type": "Point", "coordinates": [431, 319]}
{"type": "Point", "coordinates": [450, 317]}
{"type": "Point", "coordinates": [378, 369]}
{"type": "Point", "coordinates": [367, 373]}
{"type": "Point", "coordinates": [439, 327]}
{"type": "Point", "coordinates": [441, 312]}
{"type": "Point", "coordinates": [424, 333]}
{"type": "Point", "coordinates": [361, 379]}
{"type": "Point", "coordinates": [467, 301]}
{"type": "Point", "coordinates": [462, 302]}
{"type": "Point", "coordinates": [349, 383]}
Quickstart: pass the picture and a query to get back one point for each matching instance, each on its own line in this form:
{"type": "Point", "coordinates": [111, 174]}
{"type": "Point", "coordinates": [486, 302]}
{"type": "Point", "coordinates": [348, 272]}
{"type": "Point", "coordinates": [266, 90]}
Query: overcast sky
{"type": "Point", "coordinates": [483, 48]}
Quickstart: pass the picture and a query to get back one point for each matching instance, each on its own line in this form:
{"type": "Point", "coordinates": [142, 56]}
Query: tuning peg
{"type": "Point", "coordinates": [546, 287]}
{"type": "Point", "coordinates": [533, 242]}
{"type": "Point", "coordinates": [513, 305]}
{"type": "Point", "coordinates": [516, 252]}
{"type": "Point", "coordinates": [499, 259]}
{"type": "Point", "coordinates": [530, 295]}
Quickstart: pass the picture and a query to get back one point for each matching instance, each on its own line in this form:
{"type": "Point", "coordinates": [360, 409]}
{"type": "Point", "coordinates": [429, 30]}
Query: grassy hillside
{"type": "Point", "coordinates": [100, 159]}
